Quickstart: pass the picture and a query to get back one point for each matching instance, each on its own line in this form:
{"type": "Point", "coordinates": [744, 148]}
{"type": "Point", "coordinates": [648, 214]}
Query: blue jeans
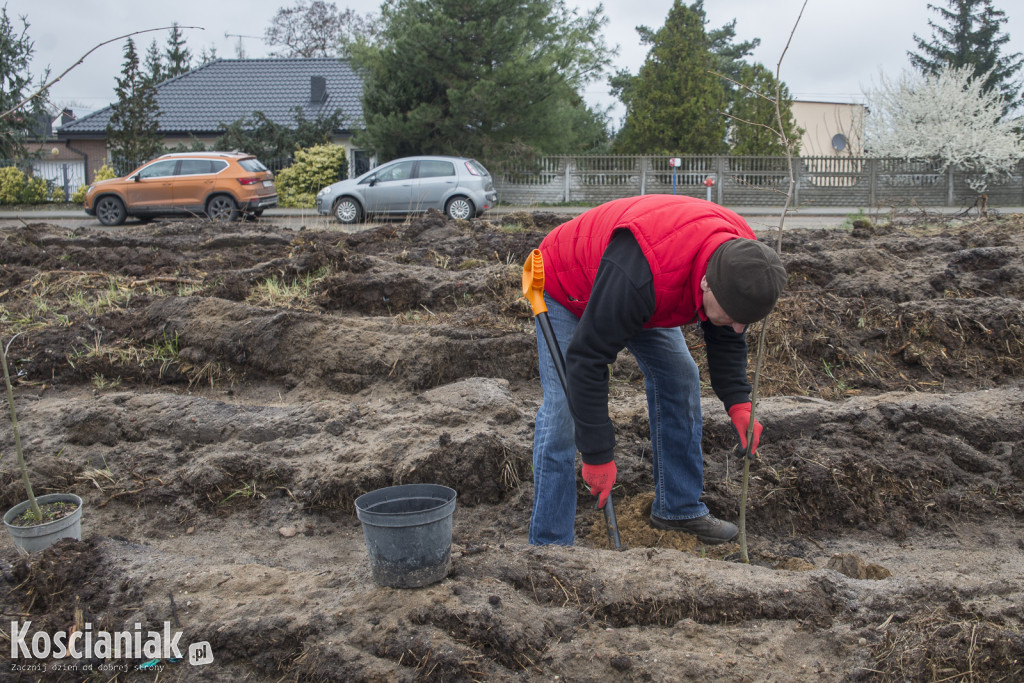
{"type": "Point", "coordinates": [673, 406]}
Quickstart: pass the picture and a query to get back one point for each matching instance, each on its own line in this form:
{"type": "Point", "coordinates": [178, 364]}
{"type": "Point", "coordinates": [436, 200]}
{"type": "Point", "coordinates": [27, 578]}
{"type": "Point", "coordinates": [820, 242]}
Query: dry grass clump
{"type": "Point", "coordinates": [935, 647]}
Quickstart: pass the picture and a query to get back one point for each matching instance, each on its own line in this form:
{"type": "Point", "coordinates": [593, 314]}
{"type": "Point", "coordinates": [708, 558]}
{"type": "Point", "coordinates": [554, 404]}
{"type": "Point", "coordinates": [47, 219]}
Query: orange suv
{"type": "Point", "coordinates": [220, 185]}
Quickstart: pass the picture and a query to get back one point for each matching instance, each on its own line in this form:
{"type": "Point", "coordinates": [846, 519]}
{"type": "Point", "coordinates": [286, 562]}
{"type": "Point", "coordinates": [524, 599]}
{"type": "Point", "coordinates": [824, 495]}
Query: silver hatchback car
{"type": "Point", "coordinates": [460, 187]}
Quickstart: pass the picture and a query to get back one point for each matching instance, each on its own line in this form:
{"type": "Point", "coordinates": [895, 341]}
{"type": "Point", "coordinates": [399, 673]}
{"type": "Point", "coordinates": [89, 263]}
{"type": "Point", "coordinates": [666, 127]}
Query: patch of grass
{"type": "Point", "coordinates": [188, 290]}
{"type": "Point", "coordinates": [512, 228]}
{"type": "Point", "coordinates": [831, 370]}
{"type": "Point", "coordinates": [101, 382]}
{"type": "Point", "coordinates": [16, 322]}
{"type": "Point", "coordinates": [93, 303]}
{"type": "Point", "coordinates": [277, 292]}
{"type": "Point", "coordinates": [247, 491]}
{"type": "Point", "coordinates": [164, 352]}
{"type": "Point", "coordinates": [102, 479]}
{"type": "Point", "coordinates": [210, 372]}
{"type": "Point", "coordinates": [853, 220]}
{"type": "Point", "coordinates": [440, 260]}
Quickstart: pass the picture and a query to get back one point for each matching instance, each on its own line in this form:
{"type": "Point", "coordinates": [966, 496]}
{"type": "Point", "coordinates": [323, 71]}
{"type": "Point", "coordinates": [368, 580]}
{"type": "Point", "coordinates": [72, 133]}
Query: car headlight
{"type": "Point", "coordinates": [322, 192]}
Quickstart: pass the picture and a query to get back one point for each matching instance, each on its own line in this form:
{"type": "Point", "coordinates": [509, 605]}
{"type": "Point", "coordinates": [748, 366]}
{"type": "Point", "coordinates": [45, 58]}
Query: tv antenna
{"type": "Point", "coordinates": [240, 49]}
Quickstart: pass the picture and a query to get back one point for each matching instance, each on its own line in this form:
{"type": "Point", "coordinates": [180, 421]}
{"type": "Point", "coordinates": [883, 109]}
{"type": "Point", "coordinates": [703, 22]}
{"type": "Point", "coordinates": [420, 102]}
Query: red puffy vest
{"type": "Point", "coordinates": [677, 235]}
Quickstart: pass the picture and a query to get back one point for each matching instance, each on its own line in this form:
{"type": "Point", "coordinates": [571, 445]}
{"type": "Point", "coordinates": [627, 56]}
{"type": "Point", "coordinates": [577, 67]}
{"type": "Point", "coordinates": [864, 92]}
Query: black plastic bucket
{"type": "Point", "coordinates": [408, 531]}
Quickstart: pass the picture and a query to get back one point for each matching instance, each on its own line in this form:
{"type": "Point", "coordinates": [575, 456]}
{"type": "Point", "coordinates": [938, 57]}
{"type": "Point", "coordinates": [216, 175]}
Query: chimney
{"type": "Point", "coordinates": [317, 89]}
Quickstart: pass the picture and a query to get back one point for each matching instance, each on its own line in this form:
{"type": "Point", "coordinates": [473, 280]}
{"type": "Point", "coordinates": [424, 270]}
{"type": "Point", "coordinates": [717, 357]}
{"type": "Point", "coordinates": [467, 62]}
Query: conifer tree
{"type": "Point", "coordinates": [177, 56]}
{"type": "Point", "coordinates": [676, 103]}
{"type": "Point", "coordinates": [754, 122]}
{"type": "Point", "coordinates": [970, 36]}
{"type": "Point", "coordinates": [154, 67]}
{"type": "Point", "coordinates": [133, 132]}
{"type": "Point", "coordinates": [487, 78]}
{"type": "Point", "coordinates": [16, 50]}
{"type": "Point", "coordinates": [208, 55]}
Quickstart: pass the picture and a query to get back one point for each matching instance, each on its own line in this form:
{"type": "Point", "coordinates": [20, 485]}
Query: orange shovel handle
{"type": "Point", "coordinates": [533, 282]}
{"type": "Point", "coordinates": [533, 290]}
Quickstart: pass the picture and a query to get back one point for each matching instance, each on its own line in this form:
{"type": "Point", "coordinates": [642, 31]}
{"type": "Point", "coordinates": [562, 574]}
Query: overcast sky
{"type": "Point", "coordinates": [837, 52]}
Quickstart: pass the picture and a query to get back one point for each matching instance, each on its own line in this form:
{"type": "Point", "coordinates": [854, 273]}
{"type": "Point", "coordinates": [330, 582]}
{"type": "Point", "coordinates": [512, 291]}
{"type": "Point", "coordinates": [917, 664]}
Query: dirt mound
{"type": "Point", "coordinates": [219, 395]}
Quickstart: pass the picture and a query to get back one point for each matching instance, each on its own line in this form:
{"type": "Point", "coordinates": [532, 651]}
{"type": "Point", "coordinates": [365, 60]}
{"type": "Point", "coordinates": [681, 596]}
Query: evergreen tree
{"type": "Point", "coordinates": [177, 55]}
{"type": "Point", "coordinates": [729, 56]}
{"type": "Point", "coordinates": [154, 67]}
{"type": "Point", "coordinates": [208, 55]}
{"type": "Point", "coordinates": [754, 122]}
{"type": "Point", "coordinates": [16, 52]}
{"type": "Point", "coordinates": [133, 132]}
{"type": "Point", "coordinates": [259, 135]}
{"type": "Point", "coordinates": [675, 104]}
{"type": "Point", "coordinates": [970, 37]}
{"type": "Point", "coordinates": [488, 78]}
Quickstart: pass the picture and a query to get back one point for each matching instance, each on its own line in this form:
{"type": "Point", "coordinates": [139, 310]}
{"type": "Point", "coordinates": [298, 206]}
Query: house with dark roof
{"type": "Point", "coordinates": [50, 160]}
{"type": "Point", "coordinates": [198, 105]}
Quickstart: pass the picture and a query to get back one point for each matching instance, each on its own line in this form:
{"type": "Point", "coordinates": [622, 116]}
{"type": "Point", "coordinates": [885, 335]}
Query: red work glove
{"type": "Point", "coordinates": [740, 415]}
{"type": "Point", "coordinates": [600, 479]}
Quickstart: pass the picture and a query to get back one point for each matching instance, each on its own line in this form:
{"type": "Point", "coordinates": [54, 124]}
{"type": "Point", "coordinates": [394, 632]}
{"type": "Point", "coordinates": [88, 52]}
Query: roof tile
{"type": "Point", "coordinates": [218, 93]}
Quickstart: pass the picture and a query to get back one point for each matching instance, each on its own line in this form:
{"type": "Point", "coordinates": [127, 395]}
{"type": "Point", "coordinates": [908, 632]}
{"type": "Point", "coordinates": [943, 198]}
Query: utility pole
{"type": "Point", "coordinates": [240, 49]}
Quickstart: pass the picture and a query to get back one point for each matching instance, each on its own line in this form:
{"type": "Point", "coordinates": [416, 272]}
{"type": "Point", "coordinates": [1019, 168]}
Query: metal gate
{"type": "Point", "coordinates": [67, 175]}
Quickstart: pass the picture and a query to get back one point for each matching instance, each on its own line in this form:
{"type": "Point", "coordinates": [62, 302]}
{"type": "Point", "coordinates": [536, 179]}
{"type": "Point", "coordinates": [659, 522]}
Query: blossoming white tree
{"type": "Point", "coordinates": [947, 116]}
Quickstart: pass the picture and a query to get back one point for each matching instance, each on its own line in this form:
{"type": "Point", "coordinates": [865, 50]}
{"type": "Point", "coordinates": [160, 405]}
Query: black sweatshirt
{"type": "Point", "coordinates": [621, 302]}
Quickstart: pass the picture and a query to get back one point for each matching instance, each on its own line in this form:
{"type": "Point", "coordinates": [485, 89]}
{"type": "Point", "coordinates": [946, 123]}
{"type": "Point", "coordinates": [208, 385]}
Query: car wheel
{"type": "Point", "coordinates": [222, 208]}
{"type": "Point", "coordinates": [460, 208]}
{"type": "Point", "coordinates": [110, 211]}
{"type": "Point", "coordinates": [347, 210]}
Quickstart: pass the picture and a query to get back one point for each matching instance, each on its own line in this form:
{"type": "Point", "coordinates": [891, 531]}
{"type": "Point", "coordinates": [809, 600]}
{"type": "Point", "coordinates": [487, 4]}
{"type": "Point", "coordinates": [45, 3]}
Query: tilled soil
{"type": "Point", "coordinates": [219, 394]}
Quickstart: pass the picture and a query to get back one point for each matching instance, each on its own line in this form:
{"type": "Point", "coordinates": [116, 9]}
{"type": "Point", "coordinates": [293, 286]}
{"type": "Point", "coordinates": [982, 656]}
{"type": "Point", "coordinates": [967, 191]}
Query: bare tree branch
{"type": "Point", "coordinates": [754, 123]}
{"type": "Point", "coordinates": [742, 85]}
{"type": "Point", "coordinates": [778, 117]}
{"type": "Point", "coordinates": [81, 59]}
{"type": "Point", "coordinates": [764, 323]}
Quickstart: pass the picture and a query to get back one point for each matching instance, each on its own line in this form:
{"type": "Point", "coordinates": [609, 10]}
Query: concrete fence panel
{"type": "Point", "coordinates": [751, 181]}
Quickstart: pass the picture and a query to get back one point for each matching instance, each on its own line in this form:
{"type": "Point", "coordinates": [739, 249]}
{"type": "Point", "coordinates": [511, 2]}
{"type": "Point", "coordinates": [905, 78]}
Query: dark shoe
{"type": "Point", "coordinates": [708, 529]}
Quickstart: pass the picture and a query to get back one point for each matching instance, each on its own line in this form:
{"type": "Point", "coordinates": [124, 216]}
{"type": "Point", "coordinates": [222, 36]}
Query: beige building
{"type": "Point", "coordinates": [830, 128]}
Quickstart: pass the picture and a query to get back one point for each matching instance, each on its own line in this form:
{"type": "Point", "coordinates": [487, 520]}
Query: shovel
{"type": "Point", "coordinates": [533, 290]}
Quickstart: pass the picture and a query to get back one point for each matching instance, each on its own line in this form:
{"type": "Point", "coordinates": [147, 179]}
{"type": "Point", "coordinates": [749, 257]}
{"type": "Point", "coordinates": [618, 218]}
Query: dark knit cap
{"type": "Point", "coordinates": [746, 278]}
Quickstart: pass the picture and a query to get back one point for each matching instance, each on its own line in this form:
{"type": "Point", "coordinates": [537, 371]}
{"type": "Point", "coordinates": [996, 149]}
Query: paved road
{"type": "Point", "coordinates": [759, 218]}
{"type": "Point", "coordinates": [297, 221]}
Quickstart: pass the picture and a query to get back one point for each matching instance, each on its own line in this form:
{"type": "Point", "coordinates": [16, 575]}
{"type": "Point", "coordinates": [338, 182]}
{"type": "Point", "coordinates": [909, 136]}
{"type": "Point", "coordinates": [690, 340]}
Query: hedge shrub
{"type": "Point", "coordinates": [35, 191]}
{"type": "Point", "coordinates": [105, 172]}
{"type": "Point", "coordinates": [18, 188]}
{"type": "Point", "coordinates": [12, 185]}
{"type": "Point", "coordinates": [314, 168]}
